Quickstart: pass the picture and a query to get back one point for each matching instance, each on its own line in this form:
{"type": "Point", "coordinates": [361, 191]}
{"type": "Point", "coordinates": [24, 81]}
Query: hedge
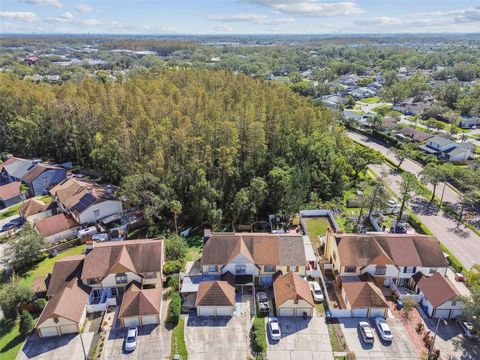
{"type": "Point", "coordinates": [259, 336]}
{"type": "Point", "coordinates": [174, 309]}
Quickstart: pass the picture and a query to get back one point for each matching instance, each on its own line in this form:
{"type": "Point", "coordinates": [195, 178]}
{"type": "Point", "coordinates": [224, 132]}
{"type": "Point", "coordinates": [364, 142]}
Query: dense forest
{"type": "Point", "coordinates": [204, 145]}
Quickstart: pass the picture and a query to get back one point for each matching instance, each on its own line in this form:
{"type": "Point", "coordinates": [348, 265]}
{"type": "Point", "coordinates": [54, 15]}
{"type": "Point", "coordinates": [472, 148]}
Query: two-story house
{"type": "Point", "coordinates": [110, 273]}
{"type": "Point", "coordinates": [86, 202]}
{"type": "Point", "coordinates": [448, 150]}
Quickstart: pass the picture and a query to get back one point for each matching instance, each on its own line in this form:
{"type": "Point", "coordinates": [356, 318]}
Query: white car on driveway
{"type": "Point", "coordinates": [316, 291]}
{"type": "Point", "coordinates": [383, 329]}
{"type": "Point", "coordinates": [131, 339]}
{"type": "Point", "coordinates": [467, 328]}
{"type": "Point", "coordinates": [274, 329]}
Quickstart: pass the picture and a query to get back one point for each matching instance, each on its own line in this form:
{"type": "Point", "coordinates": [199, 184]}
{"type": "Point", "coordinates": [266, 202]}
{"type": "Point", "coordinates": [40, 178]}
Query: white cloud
{"type": "Point", "coordinates": [83, 8]}
{"type": "Point", "coordinates": [55, 3]}
{"type": "Point", "coordinates": [255, 18]}
{"type": "Point", "coordinates": [223, 28]}
{"type": "Point", "coordinates": [67, 16]}
{"type": "Point", "coordinates": [24, 16]}
{"type": "Point", "coordinates": [311, 7]}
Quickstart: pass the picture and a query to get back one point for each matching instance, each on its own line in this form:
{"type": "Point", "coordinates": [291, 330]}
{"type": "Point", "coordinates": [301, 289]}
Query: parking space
{"type": "Point", "coordinates": [301, 339]}
{"type": "Point", "coordinates": [451, 342]}
{"type": "Point", "coordinates": [153, 342]}
{"type": "Point", "coordinates": [400, 348]}
{"type": "Point", "coordinates": [64, 347]}
{"type": "Point", "coordinates": [210, 338]}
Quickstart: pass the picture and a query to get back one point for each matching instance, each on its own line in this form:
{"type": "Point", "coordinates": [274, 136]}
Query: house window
{"type": "Point", "coordinates": [269, 268]}
{"type": "Point", "coordinates": [55, 319]}
{"type": "Point", "coordinates": [150, 275]}
{"type": "Point", "coordinates": [114, 291]}
{"type": "Point", "coordinates": [121, 278]}
{"type": "Point", "coordinates": [350, 269]}
{"type": "Point", "coordinates": [240, 269]}
{"type": "Point", "coordinates": [295, 301]}
{"type": "Point", "coordinates": [432, 271]}
{"type": "Point", "coordinates": [292, 268]}
{"type": "Point", "coordinates": [96, 213]}
{"type": "Point", "coordinates": [212, 268]}
{"type": "Point", "coordinates": [92, 281]}
{"type": "Point", "coordinates": [454, 302]}
{"type": "Point", "coordinates": [380, 270]}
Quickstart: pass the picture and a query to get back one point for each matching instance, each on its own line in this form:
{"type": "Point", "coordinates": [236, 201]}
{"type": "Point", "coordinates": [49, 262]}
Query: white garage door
{"type": "Point", "coordinates": [224, 311]}
{"type": "Point", "coordinates": [68, 329]}
{"type": "Point", "coordinates": [359, 312]}
{"type": "Point", "coordinates": [49, 331]}
{"type": "Point", "coordinates": [438, 313]}
{"type": "Point", "coordinates": [206, 311]}
{"type": "Point", "coordinates": [456, 313]}
{"type": "Point", "coordinates": [131, 322]}
{"type": "Point", "coordinates": [286, 312]}
{"type": "Point", "coordinates": [377, 313]}
{"type": "Point", "coordinates": [149, 320]}
{"type": "Point", "coordinates": [300, 311]}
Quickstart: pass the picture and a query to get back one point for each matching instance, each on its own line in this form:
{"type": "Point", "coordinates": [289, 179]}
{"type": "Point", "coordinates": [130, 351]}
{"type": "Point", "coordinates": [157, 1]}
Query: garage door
{"type": "Point", "coordinates": [49, 331]}
{"type": "Point", "coordinates": [286, 312]}
{"type": "Point", "coordinates": [377, 313]}
{"type": "Point", "coordinates": [224, 311]}
{"type": "Point", "coordinates": [359, 312]}
{"type": "Point", "coordinates": [149, 320]}
{"type": "Point", "coordinates": [438, 313]}
{"type": "Point", "coordinates": [131, 322]}
{"type": "Point", "coordinates": [456, 313]}
{"type": "Point", "coordinates": [206, 311]}
{"type": "Point", "coordinates": [68, 329]}
{"type": "Point", "coordinates": [300, 311]}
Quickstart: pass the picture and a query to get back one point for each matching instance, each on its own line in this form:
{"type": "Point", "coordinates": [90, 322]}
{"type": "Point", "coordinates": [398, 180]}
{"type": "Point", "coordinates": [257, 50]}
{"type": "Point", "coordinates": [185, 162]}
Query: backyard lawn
{"type": "Point", "coordinates": [370, 100]}
{"type": "Point", "coordinates": [316, 227]}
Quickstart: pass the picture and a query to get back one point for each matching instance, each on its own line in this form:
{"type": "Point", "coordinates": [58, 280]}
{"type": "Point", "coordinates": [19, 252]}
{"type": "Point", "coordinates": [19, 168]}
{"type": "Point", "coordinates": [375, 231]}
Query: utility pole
{"type": "Point", "coordinates": [433, 341]}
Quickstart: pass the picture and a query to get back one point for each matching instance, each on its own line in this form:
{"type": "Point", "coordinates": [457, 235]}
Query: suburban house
{"type": "Point", "coordinates": [293, 296]}
{"type": "Point", "coordinates": [127, 272]}
{"type": "Point", "coordinates": [215, 298]}
{"type": "Point", "coordinates": [448, 150]}
{"type": "Point", "coordinates": [86, 202]}
{"type": "Point", "coordinates": [57, 227]}
{"type": "Point", "coordinates": [411, 107]}
{"type": "Point", "coordinates": [439, 297]}
{"type": "Point", "coordinates": [34, 209]}
{"type": "Point", "coordinates": [385, 261]}
{"type": "Point", "coordinates": [414, 134]}
{"type": "Point", "coordinates": [39, 177]}
{"type": "Point", "coordinates": [10, 194]}
{"type": "Point", "coordinates": [364, 299]}
{"type": "Point", "coordinates": [469, 122]}
{"type": "Point", "coordinates": [333, 101]}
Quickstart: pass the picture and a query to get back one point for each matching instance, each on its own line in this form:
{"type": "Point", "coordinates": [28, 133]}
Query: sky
{"type": "Point", "coordinates": [238, 16]}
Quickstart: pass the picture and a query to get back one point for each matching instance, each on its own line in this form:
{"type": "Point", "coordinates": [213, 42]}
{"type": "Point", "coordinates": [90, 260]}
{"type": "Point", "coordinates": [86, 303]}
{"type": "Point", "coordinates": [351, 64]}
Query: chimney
{"type": "Point", "coordinates": [207, 234]}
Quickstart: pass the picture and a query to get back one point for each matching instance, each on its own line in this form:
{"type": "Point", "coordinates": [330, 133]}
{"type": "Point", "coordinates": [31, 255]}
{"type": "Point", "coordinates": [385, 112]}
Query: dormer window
{"type": "Point", "coordinates": [121, 278]}
{"type": "Point", "coordinates": [240, 269]}
{"type": "Point", "coordinates": [269, 268]}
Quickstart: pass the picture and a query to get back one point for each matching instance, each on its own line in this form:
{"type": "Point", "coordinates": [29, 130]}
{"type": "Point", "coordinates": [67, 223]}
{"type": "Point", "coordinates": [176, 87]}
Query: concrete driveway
{"type": "Point", "coordinates": [64, 347]}
{"type": "Point", "coordinates": [301, 340]}
{"type": "Point", "coordinates": [153, 342]}
{"type": "Point", "coordinates": [400, 348]}
{"type": "Point", "coordinates": [217, 338]}
{"type": "Point", "coordinates": [451, 342]}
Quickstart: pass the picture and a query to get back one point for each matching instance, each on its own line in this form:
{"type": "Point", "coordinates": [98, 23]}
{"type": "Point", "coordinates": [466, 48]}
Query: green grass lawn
{"type": "Point", "coordinates": [316, 227]}
{"type": "Point", "coordinates": [10, 339]}
{"type": "Point", "coordinates": [370, 100]}
{"type": "Point", "coordinates": [178, 340]}
{"type": "Point", "coordinates": [44, 267]}
{"type": "Point", "coordinates": [193, 253]}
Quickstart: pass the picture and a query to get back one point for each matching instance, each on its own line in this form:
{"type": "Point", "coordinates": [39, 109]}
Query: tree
{"type": "Point", "coordinates": [13, 294]}
{"type": "Point", "coordinates": [380, 195]}
{"type": "Point", "coordinates": [360, 157]}
{"type": "Point", "coordinates": [472, 307]}
{"type": "Point", "coordinates": [375, 121]}
{"type": "Point", "coordinates": [408, 306]}
{"type": "Point", "coordinates": [176, 209]}
{"type": "Point", "coordinates": [175, 247]}
{"type": "Point", "coordinates": [407, 188]}
{"type": "Point", "coordinates": [25, 250]}
{"type": "Point", "coordinates": [26, 323]}
{"type": "Point", "coordinates": [432, 174]}
{"type": "Point", "coordinates": [402, 152]}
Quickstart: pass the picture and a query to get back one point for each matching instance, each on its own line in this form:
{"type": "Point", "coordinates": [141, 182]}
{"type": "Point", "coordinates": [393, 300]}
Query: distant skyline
{"type": "Point", "coordinates": [238, 16]}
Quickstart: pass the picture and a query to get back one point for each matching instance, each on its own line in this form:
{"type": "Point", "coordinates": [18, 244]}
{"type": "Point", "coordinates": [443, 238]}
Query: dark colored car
{"type": "Point", "coordinates": [12, 224]}
{"type": "Point", "coordinates": [262, 301]}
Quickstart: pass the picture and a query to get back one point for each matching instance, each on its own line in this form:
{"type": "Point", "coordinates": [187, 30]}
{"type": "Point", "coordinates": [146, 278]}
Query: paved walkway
{"type": "Point", "coordinates": [461, 241]}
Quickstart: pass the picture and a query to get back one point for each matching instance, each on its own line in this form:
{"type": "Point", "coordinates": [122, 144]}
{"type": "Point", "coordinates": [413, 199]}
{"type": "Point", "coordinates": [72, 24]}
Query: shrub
{"type": "Point", "coordinates": [173, 267]}
{"type": "Point", "coordinates": [420, 327]}
{"type": "Point", "coordinates": [26, 323]}
{"type": "Point", "coordinates": [11, 295]}
{"type": "Point", "coordinates": [175, 247]}
{"type": "Point", "coordinates": [174, 309]}
{"type": "Point", "coordinates": [259, 338]}
{"type": "Point", "coordinates": [40, 304]}
{"type": "Point", "coordinates": [173, 283]}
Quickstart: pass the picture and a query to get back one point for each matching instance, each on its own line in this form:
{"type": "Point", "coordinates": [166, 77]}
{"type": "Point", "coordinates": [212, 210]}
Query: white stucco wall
{"type": "Point", "coordinates": [107, 207]}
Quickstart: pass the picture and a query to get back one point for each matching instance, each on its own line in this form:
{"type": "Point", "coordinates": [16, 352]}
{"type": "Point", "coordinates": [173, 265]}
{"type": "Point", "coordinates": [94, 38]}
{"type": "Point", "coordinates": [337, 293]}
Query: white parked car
{"type": "Point", "coordinates": [131, 339]}
{"type": "Point", "coordinates": [366, 331]}
{"type": "Point", "coordinates": [316, 291]}
{"type": "Point", "coordinates": [274, 328]}
{"type": "Point", "coordinates": [467, 328]}
{"type": "Point", "coordinates": [383, 329]}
